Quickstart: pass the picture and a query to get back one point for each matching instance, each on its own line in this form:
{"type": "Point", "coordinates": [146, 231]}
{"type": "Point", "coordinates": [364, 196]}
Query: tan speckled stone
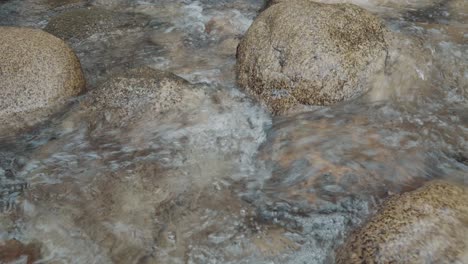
{"type": "Point", "coordinates": [138, 94]}
{"type": "Point", "coordinates": [402, 5]}
{"type": "Point", "coordinates": [38, 74]}
{"type": "Point", "coordinates": [428, 225]}
{"type": "Point", "coordinates": [302, 52]}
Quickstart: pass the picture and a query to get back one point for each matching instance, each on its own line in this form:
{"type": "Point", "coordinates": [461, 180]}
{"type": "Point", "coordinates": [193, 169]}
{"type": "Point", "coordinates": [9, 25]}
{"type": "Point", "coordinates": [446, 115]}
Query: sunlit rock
{"type": "Point", "coordinates": [376, 4]}
{"type": "Point", "coordinates": [306, 53]}
{"type": "Point", "coordinates": [428, 225]}
{"type": "Point", "coordinates": [39, 73]}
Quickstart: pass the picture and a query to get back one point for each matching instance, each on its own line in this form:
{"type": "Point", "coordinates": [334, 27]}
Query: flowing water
{"type": "Point", "coordinates": [228, 183]}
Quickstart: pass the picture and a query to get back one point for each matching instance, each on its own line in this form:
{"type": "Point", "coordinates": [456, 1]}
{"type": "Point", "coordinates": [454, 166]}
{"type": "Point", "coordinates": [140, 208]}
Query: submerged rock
{"type": "Point", "coordinates": [459, 10]}
{"type": "Point", "coordinates": [428, 225]}
{"type": "Point", "coordinates": [82, 23]}
{"type": "Point", "coordinates": [137, 94]}
{"type": "Point", "coordinates": [38, 74]}
{"type": "Point", "coordinates": [60, 3]}
{"type": "Point", "coordinates": [13, 250]}
{"type": "Point", "coordinates": [307, 53]}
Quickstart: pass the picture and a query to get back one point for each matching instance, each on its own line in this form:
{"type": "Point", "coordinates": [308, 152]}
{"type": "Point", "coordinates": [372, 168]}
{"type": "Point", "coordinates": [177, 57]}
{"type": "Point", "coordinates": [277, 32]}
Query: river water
{"type": "Point", "coordinates": [229, 183]}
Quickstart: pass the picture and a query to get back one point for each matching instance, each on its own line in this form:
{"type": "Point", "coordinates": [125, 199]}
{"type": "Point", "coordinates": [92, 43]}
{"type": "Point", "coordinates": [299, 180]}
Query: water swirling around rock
{"type": "Point", "coordinates": [166, 160]}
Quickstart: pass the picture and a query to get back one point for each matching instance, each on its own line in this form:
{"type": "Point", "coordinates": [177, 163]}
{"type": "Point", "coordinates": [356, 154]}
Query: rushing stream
{"type": "Point", "coordinates": [226, 182]}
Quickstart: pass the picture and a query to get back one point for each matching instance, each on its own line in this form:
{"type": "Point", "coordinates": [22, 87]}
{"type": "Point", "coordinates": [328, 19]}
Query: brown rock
{"type": "Point", "coordinates": [307, 53]}
{"type": "Point", "coordinates": [38, 74]}
{"type": "Point", "coordinates": [12, 250]}
{"type": "Point", "coordinates": [428, 225]}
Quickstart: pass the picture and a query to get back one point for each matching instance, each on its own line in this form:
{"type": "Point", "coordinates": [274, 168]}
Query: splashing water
{"type": "Point", "coordinates": [227, 183]}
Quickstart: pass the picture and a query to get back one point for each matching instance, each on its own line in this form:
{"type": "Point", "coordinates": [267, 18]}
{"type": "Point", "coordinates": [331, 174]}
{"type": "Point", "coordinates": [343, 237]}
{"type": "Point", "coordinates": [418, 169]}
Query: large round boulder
{"type": "Point", "coordinates": [428, 225]}
{"type": "Point", "coordinates": [38, 75]}
{"type": "Point", "coordinates": [306, 53]}
{"type": "Point", "coordinates": [399, 5]}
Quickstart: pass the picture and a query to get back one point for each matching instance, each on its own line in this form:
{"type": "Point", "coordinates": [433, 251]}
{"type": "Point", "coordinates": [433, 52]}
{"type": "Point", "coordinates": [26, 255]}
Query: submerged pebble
{"type": "Point", "coordinates": [78, 24]}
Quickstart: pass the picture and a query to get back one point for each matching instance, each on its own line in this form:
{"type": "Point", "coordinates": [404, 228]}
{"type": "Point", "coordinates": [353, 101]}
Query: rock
{"type": "Point", "coordinates": [12, 250]}
{"type": "Point", "coordinates": [38, 74]}
{"type": "Point", "coordinates": [428, 225]}
{"type": "Point", "coordinates": [82, 23]}
{"type": "Point", "coordinates": [110, 3]}
{"type": "Point", "coordinates": [458, 10]}
{"type": "Point", "coordinates": [228, 47]}
{"type": "Point", "coordinates": [142, 92]}
{"type": "Point", "coordinates": [375, 4]}
{"type": "Point", "coordinates": [307, 53]}
{"type": "Point", "coordinates": [60, 3]}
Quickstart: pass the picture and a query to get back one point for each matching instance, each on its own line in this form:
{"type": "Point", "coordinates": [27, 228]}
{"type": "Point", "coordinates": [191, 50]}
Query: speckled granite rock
{"type": "Point", "coordinates": [142, 92]}
{"type": "Point", "coordinates": [372, 4]}
{"type": "Point", "coordinates": [302, 52]}
{"type": "Point", "coordinates": [82, 23]}
{"type": "Point", "coordinates": [38, 74]}
{"type": "Point", "coordinates": [428, 225]}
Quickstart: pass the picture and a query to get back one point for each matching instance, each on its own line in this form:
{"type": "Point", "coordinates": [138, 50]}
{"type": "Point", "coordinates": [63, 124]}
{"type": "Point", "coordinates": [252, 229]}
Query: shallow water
{"type": "Point", "coordinates": [228, 183]}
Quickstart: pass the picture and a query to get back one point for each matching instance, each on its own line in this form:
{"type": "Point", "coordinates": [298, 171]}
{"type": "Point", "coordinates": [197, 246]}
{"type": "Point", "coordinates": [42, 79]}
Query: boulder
{"type": "Point", "coordinates": [38, 74]}
{"type": "Point", "coordinates": [127, 97]}
{"type": "Point", "coordinates": [306, 53]}
{"type": "Point", "coordinates": [428, 225]}
{"type": "Point", "coordinates": [377, 5]}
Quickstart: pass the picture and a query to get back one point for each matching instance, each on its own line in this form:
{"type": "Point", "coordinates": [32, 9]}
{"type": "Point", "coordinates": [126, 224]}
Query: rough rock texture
{"type": "Point", "coordinates": [38, 74]}
{"type": "Point", "coordinates": [82, 23]}
{"type": "Point", "coordinates": [373, 4]}
{"type": "Point", "coordinates": [129, 96]}
{"type": "Point", "coordinates": [428, 225]}
{"type": "Point", "coordinates": [301, 52]}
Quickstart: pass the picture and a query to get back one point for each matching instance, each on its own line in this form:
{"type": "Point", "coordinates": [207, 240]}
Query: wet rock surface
{"type": "Point", "coordinates": [207, 176]}
{"type": "Point", "coordinates": [376, 5]}
{"type": "Point", "coordinates": [425, 225]}
{"type": "Point", "coordinates": [13, 250]}
{"type": "Point", "coordinates": [61, 3]}
{"type": "Point", "coordinates": [81, 23]}
{"type": "Point", "coordinates": [39, 74]}
{"type": "Point", "coordinates": [306, 53]}
{"type": "Point", "coordinates": [139, 94]}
